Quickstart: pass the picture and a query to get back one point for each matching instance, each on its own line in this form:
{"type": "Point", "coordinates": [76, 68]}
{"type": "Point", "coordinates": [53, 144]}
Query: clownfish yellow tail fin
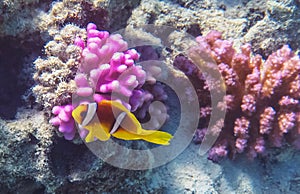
{"type": "Point", "coordinates": [157, 137]}
{"type": "Point", "coordinates": [153, 136]}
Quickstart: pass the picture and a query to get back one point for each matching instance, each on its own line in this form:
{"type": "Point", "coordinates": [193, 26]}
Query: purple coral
{"type": "Point", "coordinates": [263, 108]}
{"type": "Point", "coordinates": [99, 49]}
{"type": "Point", "coordinates": [64, 120]}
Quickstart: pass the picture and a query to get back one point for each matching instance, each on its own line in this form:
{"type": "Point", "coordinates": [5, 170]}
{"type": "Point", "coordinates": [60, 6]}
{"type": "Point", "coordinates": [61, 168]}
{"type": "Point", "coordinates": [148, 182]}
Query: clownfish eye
{"type": "Point", "coordinates": [83, 112]}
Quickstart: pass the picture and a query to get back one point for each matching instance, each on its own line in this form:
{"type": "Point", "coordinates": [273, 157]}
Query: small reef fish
{"type": "Point", "coordinates": [110, 118]}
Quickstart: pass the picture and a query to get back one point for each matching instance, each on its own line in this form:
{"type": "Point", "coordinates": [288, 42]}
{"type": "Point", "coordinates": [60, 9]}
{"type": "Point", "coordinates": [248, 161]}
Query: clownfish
{"type": "Point", "coordinates": [110, 118]}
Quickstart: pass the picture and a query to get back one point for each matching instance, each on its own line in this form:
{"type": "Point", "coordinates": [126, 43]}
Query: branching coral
{"type": "Point", "coordinates": [262, 98]}
{"type": "Point", "coordinates": [107, 68]}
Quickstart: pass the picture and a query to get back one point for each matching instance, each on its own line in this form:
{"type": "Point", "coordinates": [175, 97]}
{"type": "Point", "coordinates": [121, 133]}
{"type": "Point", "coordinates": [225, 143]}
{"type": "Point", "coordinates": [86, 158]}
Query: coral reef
{"type": "Point", "coordinates": [104, 13]}
{"type": "Point", "coordinates": [276, 15]}
{"type": "Point", "coordinates": [54, 75]}
{"type": "Point", "coordinates": [18, 23]}
{"type": "Point", "coordinates": [104, 68]}
{"type": "Point", "coordinates": [56, 80]}
{"type": "Point", "coordinates": [262, 97]}
{"type": "Point", "coordinates": [29, 134]}
{"type": "Point", "coordinates": [39, 19]}
{"type": "Point", "coordinates": [257, 22]}
{"type": "Point", "coordinates": [78, 12]}
{"type": "Point", "coordinates": [34, 160]}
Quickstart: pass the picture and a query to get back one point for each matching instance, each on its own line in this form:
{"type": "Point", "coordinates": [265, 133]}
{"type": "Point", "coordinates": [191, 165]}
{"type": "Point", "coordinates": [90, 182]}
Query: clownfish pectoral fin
{"type": "Point", "coordinates": [89, 138]}
{"type": "Point", "coordinates": [96, 130]}
{"type": "Point", "coordinates": [156, 137]}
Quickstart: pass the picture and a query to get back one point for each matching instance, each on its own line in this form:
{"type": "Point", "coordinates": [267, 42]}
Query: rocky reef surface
{"type": "Point", "coordinates": [34, 158]}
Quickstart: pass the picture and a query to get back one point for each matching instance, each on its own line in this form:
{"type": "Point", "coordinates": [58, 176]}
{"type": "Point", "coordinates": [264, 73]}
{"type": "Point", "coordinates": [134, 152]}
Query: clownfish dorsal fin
{"type": "Point", "coordinates": [91, 110]}
{"type": "Point", "coordinates": [117, 124]}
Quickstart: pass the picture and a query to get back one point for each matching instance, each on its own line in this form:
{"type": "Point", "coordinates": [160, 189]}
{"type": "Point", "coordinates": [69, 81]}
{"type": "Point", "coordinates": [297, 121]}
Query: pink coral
{"type": "Point", "coordinates": [64, 120]}
{"type": "Point", "coordinates": [262, 98]}
{"type": "Point", "coordinates": [107, 70]}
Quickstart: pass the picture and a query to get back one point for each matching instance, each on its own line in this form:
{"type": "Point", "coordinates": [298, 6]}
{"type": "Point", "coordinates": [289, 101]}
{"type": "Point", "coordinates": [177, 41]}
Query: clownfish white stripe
{"type": "Point", "coordinates": [91, 110]}
{"type": "Point", "coordinates": [117, 124]}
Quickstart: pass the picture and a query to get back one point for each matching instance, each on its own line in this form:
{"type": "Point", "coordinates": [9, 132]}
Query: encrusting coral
{"type": "Point", "coordinates": [54, 75]}
{"type": "Point", "coordinates": [262, 97]}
